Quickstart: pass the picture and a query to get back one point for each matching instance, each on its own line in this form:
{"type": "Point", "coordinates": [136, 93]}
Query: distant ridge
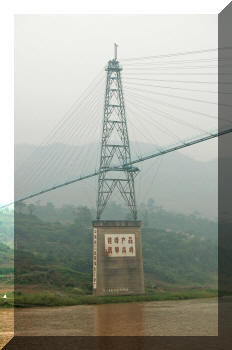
{"type": "Point", "coordinates": [176, 182]}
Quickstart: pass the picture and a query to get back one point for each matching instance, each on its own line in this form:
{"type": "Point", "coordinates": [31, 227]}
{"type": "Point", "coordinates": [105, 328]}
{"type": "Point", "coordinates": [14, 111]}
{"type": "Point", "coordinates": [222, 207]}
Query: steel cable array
{"type": "Point", "coordinates": [66, 155]}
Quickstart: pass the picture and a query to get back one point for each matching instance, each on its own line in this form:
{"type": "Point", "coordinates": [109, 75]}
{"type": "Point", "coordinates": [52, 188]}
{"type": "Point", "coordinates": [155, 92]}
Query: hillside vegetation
{"type": "Point", "coordinates": [54, 248]}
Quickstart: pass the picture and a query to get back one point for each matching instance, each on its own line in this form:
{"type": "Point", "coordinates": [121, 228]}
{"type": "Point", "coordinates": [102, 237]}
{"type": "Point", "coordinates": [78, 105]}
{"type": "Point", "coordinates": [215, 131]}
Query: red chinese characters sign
{"type": "Point", "coordinates": [120, 245]}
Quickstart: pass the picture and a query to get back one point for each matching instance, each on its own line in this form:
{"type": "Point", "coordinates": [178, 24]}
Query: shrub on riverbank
{"type": "Point", "coordinates": [47, 299]}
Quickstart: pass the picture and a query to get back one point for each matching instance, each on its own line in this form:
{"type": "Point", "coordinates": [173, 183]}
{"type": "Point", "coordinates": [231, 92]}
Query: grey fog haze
{"type": "Point", "coordinates": [57, 56]}
{"type": "Point", "coordinates": [169, 98]}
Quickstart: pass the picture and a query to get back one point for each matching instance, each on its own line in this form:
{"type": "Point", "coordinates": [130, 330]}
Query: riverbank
{"type": "Point", "coordinates": [49, 299]}
{"type": "Point", "coordinates": [6, 326]}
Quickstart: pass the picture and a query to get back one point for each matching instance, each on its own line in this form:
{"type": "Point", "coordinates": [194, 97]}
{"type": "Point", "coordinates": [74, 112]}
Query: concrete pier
{"type": "Point", "coordinates": [117, 257]}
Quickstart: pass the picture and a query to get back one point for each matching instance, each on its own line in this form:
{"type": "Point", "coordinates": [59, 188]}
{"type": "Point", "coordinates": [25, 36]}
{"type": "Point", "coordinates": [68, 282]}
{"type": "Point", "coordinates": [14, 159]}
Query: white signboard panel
{"type": "Point", "coordinates": [94, 258]}
{"type": "Point", "coordinates": [120, 245]}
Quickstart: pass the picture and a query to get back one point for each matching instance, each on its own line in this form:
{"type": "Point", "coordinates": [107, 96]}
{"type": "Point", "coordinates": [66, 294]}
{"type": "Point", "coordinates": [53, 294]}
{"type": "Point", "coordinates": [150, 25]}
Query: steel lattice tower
{"type": "Point", "coordinates": [115, 147]}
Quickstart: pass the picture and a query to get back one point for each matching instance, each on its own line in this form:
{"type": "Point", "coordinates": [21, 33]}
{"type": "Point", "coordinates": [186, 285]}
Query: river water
{"type": "Point", "coordinates": [198, 317]}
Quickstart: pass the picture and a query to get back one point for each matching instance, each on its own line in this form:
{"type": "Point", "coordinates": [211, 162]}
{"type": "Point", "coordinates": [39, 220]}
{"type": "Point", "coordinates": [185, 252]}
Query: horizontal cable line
{"type": "Point", "coordinates": [139, 130]}
{"type": "Point", "coordinates": [180, 97]}
{"type": "Point", "coordinates": [139, 96]}
{"type": "Point", "coordinates": [156, 63]}
{"type": "Point", "coordinates": [163, 129]}
{"type": "Point", "coordinates": [170, 67]}
{"type": "Point", "coordinates": [67, 121]}
{"type": "Point", "coordinates": [166, 115]}
{"type": "Point", "coordinates": [44, 164]}
{"type": "Point", "coordinates": [178, 88]}
{"type": "Point", "coordinates": [140, 159]}
{"type": "Point", "coordinates": [174, 106]}
{"type": "Point", "coordinates": [148, 115]}
{"type": "Point", "coordinates": [55, 158]}
{"type": "Point", "coordinates": [42, 169]}
{"type": "Point", "coordinates": [64, 118]}
{"type": "Point", "coordinates": [219, 61]}
{"type": "Point", "coordinates": [55, 187]}
{"type": "Point", "coordinates": [176, 73]}
{"type": "Point", "coordinates": [179, 81]}
{"type": "Point", "coordinates": [176, 54]}
{"type": "Point", "coordinates": [177, 147]}
{"type": "Point", "coordinates": [51, 156]}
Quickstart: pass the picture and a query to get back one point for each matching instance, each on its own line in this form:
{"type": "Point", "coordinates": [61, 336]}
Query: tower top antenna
{"type": "Point", "coordinates": [115, 51]}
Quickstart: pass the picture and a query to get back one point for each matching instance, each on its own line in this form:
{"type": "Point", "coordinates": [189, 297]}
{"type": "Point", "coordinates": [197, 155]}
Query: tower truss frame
{"type": "Point", "coordinates": [115, 145]}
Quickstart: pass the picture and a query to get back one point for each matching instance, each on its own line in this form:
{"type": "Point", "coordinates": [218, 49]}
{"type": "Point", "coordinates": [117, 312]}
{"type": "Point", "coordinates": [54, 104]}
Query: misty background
{"type": "Point", "coordinates": [56, 59]}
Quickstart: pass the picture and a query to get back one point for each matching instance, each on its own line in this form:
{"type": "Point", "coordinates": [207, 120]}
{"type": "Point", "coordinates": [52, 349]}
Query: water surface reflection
{"type": "Point", "coordinates": [165, 318]}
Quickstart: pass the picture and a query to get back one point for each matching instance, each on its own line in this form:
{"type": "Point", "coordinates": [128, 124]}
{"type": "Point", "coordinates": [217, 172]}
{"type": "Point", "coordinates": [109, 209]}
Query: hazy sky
{"type": "Point", "coordinates": [57, 56]}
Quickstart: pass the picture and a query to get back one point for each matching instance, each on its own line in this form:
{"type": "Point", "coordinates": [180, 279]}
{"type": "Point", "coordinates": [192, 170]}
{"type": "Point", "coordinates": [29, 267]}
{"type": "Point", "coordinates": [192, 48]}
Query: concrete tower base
{"type": "Point", "coordinates": [117, 258]}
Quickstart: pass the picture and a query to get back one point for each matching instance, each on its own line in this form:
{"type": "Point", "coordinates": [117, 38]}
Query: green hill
{"type": "Point", "coordinates": [178, 250]}
{"type": "Point", "coordinates": [7, 227]}
{"type": "Point", "coordinates": [6, 265]}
